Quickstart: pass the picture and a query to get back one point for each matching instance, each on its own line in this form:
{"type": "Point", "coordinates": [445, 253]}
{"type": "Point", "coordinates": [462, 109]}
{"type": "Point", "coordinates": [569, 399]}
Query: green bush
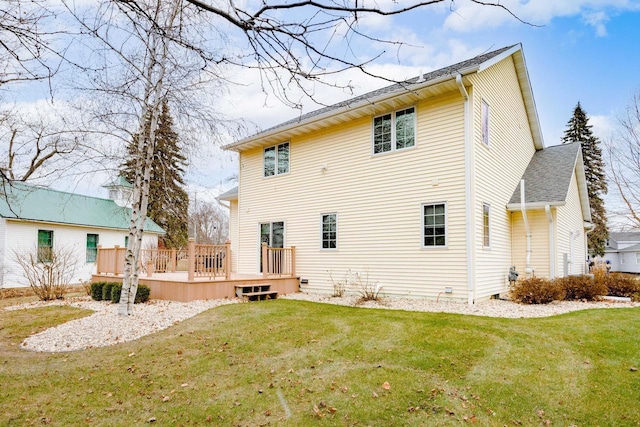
{"type": "Point", "coordinates": [622, 285]}
{"type": "Point", "coordinates": [106, 291]}
{"type": "Point", "coordinates": [142, 295]}
{"type": "Point", "coordinates": [536, 290]}
{"type": "Point", "coordinates": [582, 287]}
{"type": "Point", "coordinates": [96, 290]}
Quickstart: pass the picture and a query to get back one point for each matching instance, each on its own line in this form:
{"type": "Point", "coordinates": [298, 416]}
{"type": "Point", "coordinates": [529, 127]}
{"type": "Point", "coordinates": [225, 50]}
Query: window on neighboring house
{"type": "Point", "coordinates": [394, 131]}
{"type": "Point", "coordinates": [92, 247]}
{"type": "Point", "coordinates": [45, 245]}
{"type": "Point", "coordinates": [485, 123]}
{"type": "Point", "coordinates": [329, 231]}
{"type": "Point", "coordinates": [126, 241]}
{"type": "Point", "coordinates": [486, 225]}
{"type": "Point", "coordinates": [637, 257]}
{"type": "Point", "coordinates": [276, 159]}
{"type": "Point", "coordinates": [621, 258]}
{"type": "Point", "coordinates": [434, 222]}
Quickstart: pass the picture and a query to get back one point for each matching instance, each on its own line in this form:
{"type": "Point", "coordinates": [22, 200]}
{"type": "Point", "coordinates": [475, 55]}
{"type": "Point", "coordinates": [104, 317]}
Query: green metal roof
{"type": "Point", "coordinates": [30, 203]}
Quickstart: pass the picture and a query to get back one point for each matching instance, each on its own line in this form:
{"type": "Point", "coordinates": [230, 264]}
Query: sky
{"type": "Point", "coordinates": [585, 51]}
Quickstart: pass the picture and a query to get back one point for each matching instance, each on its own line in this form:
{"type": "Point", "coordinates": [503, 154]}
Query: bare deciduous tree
{"type": "Point", "coordinates": [49, 274]}
{"type": "Point", "coordinates": [209, 223]}
{"type": "Point", "coordinates": [624, 162]}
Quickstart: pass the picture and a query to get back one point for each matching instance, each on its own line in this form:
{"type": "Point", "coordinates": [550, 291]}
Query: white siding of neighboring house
{"type": "Point", "coordinates": [539, 229]}
{"type": "Point", "coordinates": [23, 236]}
{"type": "Point", "coordinates": [570, 220]}
{"type": "Point", "coordinates": [498, 169]}
{"type": "Point", "coordinates": [3, 267]}
{"type": "Point", "coordinates": [378, 201]}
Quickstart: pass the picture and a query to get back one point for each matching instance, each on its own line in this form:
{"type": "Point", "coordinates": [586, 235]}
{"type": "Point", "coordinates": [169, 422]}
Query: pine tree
{"type": "Point", "coordinates": [168, 200]}
{"type": "Point", "coordinates": [579, 130]}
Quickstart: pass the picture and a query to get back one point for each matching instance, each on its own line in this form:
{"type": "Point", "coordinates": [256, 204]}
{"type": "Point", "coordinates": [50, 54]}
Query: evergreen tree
{"type": "Point", "coordinates": [168, 200]}
{"type": "Point", "coordinates": [579, 130]}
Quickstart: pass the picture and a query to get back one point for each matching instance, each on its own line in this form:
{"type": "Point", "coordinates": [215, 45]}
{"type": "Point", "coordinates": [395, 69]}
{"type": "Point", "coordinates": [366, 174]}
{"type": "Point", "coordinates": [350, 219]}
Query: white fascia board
{"type": "Point", "coordinates": [581, 180]}
{"type": "Point", "coordinates": [512, 207]}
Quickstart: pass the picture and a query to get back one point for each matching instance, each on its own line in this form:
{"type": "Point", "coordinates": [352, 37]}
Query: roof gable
{"type": "Point", "coordinates": [29, 203]}
{"type": "Point", "coordinates": [548, 177]}
{"type": "Point", "coordinates": [390, 96]}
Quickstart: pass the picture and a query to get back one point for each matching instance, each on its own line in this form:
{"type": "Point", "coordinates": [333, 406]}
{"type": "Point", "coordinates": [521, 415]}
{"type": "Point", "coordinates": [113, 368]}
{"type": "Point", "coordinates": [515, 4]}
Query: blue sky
{"type": "Point", "coordinates": [582, 50]}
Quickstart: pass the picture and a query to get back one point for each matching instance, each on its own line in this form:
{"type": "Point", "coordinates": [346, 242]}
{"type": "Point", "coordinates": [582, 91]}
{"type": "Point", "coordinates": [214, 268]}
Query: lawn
{"type": "Point", "coordinates": [296, 363]}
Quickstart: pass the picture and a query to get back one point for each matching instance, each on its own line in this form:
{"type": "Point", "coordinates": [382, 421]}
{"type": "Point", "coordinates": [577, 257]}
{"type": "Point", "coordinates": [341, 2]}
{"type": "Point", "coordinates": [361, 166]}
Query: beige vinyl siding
{"type": "Point", "coordinates": [498, 168]}
{"type": "Point", "coordinates": [539, 228]}
{"type": "Point", "coordinates": [233, 233]}
{"type": "Point", "coordinates": [377, 200]}
{"type": "Point", "coordinates": [570, 219]}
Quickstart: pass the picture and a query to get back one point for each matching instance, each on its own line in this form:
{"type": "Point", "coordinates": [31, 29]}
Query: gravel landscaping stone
{"type": "Point", "coordinates": [104, 327]}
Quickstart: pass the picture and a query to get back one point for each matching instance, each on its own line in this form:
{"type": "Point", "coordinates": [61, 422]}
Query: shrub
{"type": "Point", "coordinates": [142, 295]}
{"type": "Point", "coordinates": [536, 290]}
{"type": "Point", "coordinates": [622, 285]}
{"type": "Point", "coordinates": [582, 287]}
{"type": "Point", "coordinates": [106, 291]}
{"type": "Point", "coordinates": [116, 291]}
{"type": "Point", "coordinates": [96, 290]}
{"type": "Point", "coordinates": [48, 270]}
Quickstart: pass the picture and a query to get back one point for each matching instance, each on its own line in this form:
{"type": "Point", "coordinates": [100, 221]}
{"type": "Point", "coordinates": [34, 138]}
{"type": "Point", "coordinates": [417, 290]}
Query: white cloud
{"type": "Point", "coordinates": [604, 126]}
{"type": "Point", "coordinates": [470, 16]}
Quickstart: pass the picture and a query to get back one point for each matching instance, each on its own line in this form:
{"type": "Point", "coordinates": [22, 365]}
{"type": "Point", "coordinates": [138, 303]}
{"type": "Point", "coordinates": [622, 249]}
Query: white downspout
{"type": "Point", "coordinates": [523, 209]}
{"type": "Point", "coordinates": [588, 228]}
{"type": "Point", "coordinates": [468, 184]}
{"type": "Point", "coordinates": [552, 243]}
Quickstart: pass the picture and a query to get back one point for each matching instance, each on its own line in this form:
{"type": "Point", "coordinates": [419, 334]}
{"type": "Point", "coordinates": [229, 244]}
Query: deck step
{"type": "Point", "coordinates": [256, 292]}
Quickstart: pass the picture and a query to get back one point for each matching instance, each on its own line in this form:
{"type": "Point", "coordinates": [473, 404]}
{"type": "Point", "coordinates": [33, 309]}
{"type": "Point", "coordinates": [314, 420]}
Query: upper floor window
{"type": "Point", "coordinates": [92, 247]}
{"type": "Point", "coordinates": [276, 159]}
{"type": "Point", "coordinates": [485, 123]}
{"type": "Point", "coordinates": [394, 131]}
{"type": "Point", "coordinates": [45, 245]}
{"type": "Point", "coordinates": [434, 224]}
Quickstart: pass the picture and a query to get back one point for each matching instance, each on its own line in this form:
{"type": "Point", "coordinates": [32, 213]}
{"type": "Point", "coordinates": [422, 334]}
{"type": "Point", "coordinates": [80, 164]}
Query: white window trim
{"type": "Point", "coordinates": [484, 102]}
{"type": "Point", "coordinates": [393, 131]}
{"type": "Point", "coordinates": [276, 158]}
{"type": "Point", "coordinates": [489, 230]}
{"type": "Point", "coordinates": [321, 231]}
{"type": "Point", "coordinates": [446, 226]}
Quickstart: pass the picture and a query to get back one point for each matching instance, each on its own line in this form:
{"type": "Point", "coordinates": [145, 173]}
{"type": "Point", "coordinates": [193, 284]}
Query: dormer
{"type": "Point", "coordinates": [120, 191]}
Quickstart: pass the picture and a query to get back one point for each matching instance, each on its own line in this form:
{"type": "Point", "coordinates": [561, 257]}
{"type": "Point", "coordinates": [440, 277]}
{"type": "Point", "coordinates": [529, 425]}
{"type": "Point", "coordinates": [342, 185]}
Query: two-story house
{"type": "Point", "coordinates": [623, 251]}
{"type": "Point", "coordinates": [416, 187]}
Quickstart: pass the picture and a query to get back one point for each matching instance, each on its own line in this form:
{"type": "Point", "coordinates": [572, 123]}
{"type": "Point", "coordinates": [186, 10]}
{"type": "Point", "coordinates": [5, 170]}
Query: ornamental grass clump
{"type": "Point", "coordinates": [536, 290]}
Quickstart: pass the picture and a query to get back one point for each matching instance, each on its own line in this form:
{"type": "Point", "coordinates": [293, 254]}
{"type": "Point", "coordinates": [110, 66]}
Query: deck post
{"type": "Point", "coordinates": [149, 267]}
{"type": "Point", "coordinates": [115, 260]}
{"type": "Point", "coordinates": [174, 260]}
{"type": "Point", "coordinates": [98, 260]}
{"type": "Point", "coordinates": [227, 259]}
{"type": "Point", "coordinates": [265, 260]}
{"type": "Point", "coordinates": [192, 259]}
{"type": "Point", "coordinates": [293, 261]}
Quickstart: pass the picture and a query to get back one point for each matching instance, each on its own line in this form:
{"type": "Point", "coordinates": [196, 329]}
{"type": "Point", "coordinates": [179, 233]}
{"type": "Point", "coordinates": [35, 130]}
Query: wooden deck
{"type": "Point", "coordinates": [175, 286]}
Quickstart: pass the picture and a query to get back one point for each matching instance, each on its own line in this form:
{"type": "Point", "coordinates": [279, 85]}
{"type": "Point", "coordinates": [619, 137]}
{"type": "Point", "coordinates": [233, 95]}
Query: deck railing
{"type": "Point", "coordinates": [110, 260]}
{"type": "Point", "coordinates": [278, 261]}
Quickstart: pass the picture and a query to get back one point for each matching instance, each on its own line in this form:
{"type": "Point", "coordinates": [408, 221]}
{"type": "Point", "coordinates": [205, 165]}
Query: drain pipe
{"type": "Point", "coordinates": [588, 228]}
{"type": "Point", "coordinates": [523, 209]}
{"type": "Point", "coordinates": [552, 243]}
{"type": "Point", "coordinates": [468, 184]}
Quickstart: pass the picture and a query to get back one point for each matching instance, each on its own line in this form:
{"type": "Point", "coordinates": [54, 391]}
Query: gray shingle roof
{"type": "Point", "coordinates": [625, 236]}
{"type": "Point", "coordinates": [30, 203]}
{"type": "Point", "coordinates": [548, 176]}
{"type": "Point", "coordinates": [451, 70]}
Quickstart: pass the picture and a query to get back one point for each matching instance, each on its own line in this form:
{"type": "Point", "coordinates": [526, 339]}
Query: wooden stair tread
{"type": "Point", "coordinates": [253, 294]}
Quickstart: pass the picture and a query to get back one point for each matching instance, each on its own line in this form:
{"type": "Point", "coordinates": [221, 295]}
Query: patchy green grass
{"type": "Point", "coordinates": [297, 363]}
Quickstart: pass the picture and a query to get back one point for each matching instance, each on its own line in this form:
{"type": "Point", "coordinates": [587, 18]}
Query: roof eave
{"type": "Point", "coordinates": [366, 103]}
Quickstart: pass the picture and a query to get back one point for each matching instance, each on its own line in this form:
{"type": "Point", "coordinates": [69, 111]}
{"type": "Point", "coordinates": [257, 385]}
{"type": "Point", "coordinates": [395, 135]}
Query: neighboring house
{"type": "Point", "coordinates": [44, 220]}
{"type": "Point", "coordinates": [416, 187]}
{"type": "Point", "coordinates": [623, 251]}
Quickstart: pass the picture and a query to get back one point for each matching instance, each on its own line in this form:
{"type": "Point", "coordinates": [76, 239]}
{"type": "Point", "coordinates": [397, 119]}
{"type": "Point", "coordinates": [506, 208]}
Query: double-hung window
{"type": "Point", "coordinates": [434, 225]}
{"type": "Point", "coordinates": [486, 225]}
{"type": "Point", "coordinates": [276, 159]}
{"type": "Point", "coordinates": [329, 231]}
{"type": "Point", "coordinates": [45, 245]}
{"type": "Point", "coordinates": [394, 131]}
{"type": "Point", "coordinates": [92, 247]}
